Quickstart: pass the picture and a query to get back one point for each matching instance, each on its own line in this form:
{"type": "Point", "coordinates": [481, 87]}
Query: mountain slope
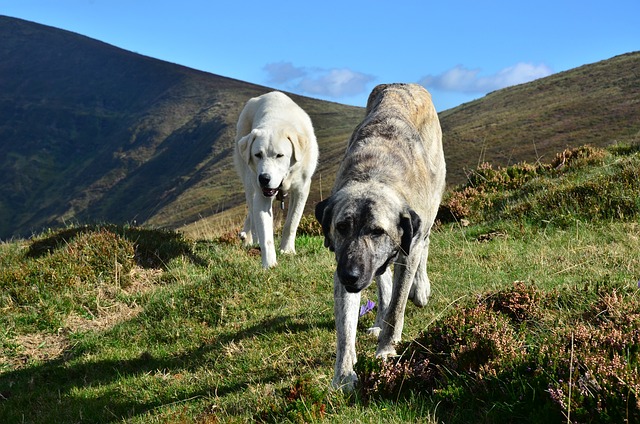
{"type": "Point", "coordinates": [595, 104]}
{"type": "Point", "coordinates": [90, 132]}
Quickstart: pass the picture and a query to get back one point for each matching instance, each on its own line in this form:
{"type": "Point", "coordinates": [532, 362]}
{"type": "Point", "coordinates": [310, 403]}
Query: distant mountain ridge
{"type": "Point", "coordinates": [93, 133]}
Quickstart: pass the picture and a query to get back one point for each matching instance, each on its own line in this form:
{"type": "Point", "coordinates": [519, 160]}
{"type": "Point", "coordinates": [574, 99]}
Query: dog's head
{"type": "Point", "coordinates": [367, 228]}
{"type": "Point", "coordinates": [270, 153]}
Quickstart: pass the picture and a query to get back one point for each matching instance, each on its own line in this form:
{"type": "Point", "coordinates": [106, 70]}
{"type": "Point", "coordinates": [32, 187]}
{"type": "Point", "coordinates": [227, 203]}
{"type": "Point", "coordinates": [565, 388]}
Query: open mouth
{"type": "Point", "coordinates": [269, 192]}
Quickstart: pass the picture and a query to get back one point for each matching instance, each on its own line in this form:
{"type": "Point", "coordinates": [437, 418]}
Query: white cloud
{"type": "Point", "coordinates": [334, 83]}
{"type": "Point", "coordinates": [281, 72]}
{"type": "Point", "coordinates": [464, 80]}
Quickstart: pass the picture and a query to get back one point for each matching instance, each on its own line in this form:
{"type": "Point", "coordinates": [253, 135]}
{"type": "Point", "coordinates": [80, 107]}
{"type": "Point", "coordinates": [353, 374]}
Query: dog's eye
{"type": "Point", "coordinates": [343, 227]}
{"type": "Point", "coordinates": [377, 232]}
{"type": "Point", "coordinates": [258, 155]}
{"type": "Point", "coordinates": [279, 155]}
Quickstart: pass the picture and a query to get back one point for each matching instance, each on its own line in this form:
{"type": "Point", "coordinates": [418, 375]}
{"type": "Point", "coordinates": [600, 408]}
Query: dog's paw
{"type": "Point", "coordinates": [346, 383]}
{"type": "Point", "coordinates": [267, 265]}
{"type": "Point", "coordinates": [246, 238]}
{"type": "Point", "coordinates": [419, 299]}
{"type": "Point", "coordinates": [419, 295]}
{"type": "Point", "coordinates": [374, 331]}
{"type": "Point", "coordinates": [386, 351]}
{"type": "Point", "coordinates": [288, 246]}
{"type": "Point", "coordinates": [269, 261]}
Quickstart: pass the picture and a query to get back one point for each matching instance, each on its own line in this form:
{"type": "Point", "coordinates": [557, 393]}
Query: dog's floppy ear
{"type": "Point", "coordinates": [410, 223]}
{"type": "Point", "coordinates": [244, 145]}
{"type": "Point", "coordinates": [299, 143]}
{"type": "Point", "coordinates": [324, 214]}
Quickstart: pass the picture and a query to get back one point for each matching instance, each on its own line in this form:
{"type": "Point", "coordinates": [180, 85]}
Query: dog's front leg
{"type": "Point", "coordinates": [247, 235]}
{"type": "Point", "coordinates": [346, 307]}
{"type": "Point", "coordinates": [384, 296]}
{"type": "Point", "coordinates": [421, 287]}
{"type": "Point", "coordinates": [296, 208]}
{"type": "Point", "coordinates": [403, 274]}
{"type": "Point", "coordinates": [263, 222]}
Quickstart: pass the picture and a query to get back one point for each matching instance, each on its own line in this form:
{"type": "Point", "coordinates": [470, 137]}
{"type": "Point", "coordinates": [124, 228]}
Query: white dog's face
{"type": "Point", "coordinates": [269, 154]}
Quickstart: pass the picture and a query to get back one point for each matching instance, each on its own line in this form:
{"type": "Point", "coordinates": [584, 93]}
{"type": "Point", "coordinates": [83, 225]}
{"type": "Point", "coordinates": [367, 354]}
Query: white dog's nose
{"type": "Point", "coordinates": [264, 179]}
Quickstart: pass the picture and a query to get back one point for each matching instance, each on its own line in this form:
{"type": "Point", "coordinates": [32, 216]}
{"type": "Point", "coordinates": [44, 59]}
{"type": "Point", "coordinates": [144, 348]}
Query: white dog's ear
{"type": "Point", "coordinates": [410, 224]}
{"type": "Point", "coordinates": [299, 143]}
{"type": "Point", "coordinates": [244, 146]}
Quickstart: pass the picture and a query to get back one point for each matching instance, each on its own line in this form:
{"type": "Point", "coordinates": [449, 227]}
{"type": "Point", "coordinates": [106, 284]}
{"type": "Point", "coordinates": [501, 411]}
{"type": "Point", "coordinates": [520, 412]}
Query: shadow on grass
{"type": "Point", "coordinates": [73, 389]}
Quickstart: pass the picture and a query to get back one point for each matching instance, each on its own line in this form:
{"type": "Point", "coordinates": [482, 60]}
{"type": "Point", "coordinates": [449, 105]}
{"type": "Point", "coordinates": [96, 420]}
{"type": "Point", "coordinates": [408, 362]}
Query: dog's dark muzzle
{"type": "Point", "coordinates": [354, 279]}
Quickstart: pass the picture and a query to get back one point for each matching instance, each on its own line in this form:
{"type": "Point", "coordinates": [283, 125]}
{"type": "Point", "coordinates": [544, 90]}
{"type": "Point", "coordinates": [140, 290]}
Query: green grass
{"type": "Point", "coordinates": [124, 324]}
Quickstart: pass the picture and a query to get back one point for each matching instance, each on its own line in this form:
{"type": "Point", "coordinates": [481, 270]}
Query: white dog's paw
{"type": "Point", "coordinates": [374, 331]}
{"type": "Point", "coordinates": [288, 251]}
{"type": "Point", "coordinates": [386, 351]}
{"type": "Point", "coordinates": [346, 383]}
{"type": "Point", "coordinates": [269, 264]}
{"type": "Point", "coordinates": [246, 238]}
{"type": "Point", "coordinates": [288, 247]}
{"type": "Point", "coordinates": [269, 259]}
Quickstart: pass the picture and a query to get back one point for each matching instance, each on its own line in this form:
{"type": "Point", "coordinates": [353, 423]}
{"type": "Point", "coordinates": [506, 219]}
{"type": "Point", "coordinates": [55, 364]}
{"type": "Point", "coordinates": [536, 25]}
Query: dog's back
{"type": "Point", "coordinates": [399, 143]}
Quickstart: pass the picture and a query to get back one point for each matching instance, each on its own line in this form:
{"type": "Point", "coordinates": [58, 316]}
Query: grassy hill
{"type": "Point", "coordinates": [92, 133]}
{"type": "Point", "coordinates": [597, 104]}
{"type": "Point", "coordinates": [531, 318]}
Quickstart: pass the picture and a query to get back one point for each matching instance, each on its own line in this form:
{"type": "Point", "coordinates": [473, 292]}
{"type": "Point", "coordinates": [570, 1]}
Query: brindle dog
{"type": "Point", "coordinates": [380, 212]}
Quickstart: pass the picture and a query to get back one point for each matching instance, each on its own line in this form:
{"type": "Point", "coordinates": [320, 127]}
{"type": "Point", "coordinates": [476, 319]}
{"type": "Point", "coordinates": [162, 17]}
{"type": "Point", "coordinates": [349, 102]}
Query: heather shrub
{"type": "Point", "coordinates": [309, 226]}
{"type": "Point", "coordinates": [80, 269]}
{"type": "Point", "coordinates": [585, 183]}
{"type": "Point", "coordinates": [579, 157]}
{"type": "Point", "coordinates": [519, 352]}
{"type": "Point", "coordinates": [89, 260]}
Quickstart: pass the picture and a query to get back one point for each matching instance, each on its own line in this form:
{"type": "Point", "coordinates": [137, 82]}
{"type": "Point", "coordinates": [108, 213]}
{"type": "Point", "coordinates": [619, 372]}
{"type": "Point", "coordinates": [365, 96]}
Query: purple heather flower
{"type": "Point", "coordinates": [366, 308]}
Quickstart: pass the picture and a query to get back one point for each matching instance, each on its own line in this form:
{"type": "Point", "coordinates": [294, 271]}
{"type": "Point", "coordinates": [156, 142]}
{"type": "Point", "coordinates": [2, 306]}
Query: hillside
{"type": "Point", "coordinates": [90, 132]}
{"type": "Point", "coordinates": [93, 133]}
{"type": "Point", "coordinates": [596, 104]}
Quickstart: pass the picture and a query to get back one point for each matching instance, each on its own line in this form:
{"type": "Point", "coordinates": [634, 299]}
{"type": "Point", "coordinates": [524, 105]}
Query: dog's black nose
{"type": "Point", "coordinates": [264, 179]}
{"type": "Point", "coordinates": [350, 277]}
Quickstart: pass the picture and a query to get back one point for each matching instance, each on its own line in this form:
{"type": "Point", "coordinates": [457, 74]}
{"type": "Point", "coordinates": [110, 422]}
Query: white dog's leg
{"type": "Point", "coordinates": [296, 208]}
{"type": "Point", "coordinates": [246, 235]}
{"type": "Point", "coordinates": [263, 224]}
{"type": "Point", "coordinates": [421, 287]}
{"type": "Point", "coordinates": [346, 306]}
{"type": "Point", "coordinates": [384, 296]}
{"type": "Point", "coordinates": [403, 274]}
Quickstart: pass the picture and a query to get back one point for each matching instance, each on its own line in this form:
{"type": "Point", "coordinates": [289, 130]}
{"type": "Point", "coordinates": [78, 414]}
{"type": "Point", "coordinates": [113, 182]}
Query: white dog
{"type": "Point", "coordinates": [276, 154]}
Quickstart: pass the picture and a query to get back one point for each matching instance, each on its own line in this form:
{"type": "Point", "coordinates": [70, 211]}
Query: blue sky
{"type": "Point", "coordinates": [339, 50]}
